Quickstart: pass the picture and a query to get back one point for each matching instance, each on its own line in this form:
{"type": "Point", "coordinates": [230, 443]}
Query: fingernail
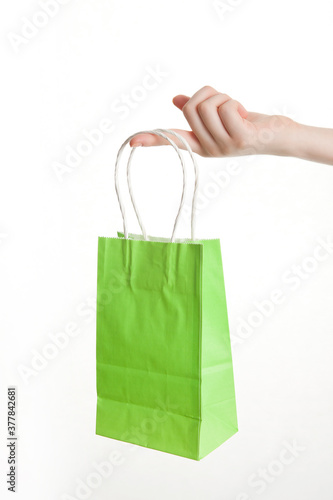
{"type": "Point", "coordinates": [136, 144]}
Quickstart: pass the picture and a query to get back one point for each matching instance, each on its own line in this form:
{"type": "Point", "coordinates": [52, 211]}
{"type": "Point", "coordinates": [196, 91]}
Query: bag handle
{"type": "Point", "coordinates": [159, 132]}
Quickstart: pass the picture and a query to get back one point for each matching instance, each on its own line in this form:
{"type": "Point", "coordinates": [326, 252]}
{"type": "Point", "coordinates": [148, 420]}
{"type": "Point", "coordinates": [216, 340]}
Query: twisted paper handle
{"type": "Point", "coordinates": [159, 132]}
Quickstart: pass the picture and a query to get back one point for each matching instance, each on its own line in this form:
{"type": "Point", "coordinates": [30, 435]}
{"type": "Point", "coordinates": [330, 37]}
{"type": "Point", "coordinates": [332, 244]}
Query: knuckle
{"type": "Point", "coordinates": [225, 107]}
{"type": "Point", "coordinates": [221, 109]}
{"type": "Point", "coordinates": [208, 88]}
{"type": "Point", "coordinates": [203, 107]}
{"type": "Point", "coordinates": [230, 103]}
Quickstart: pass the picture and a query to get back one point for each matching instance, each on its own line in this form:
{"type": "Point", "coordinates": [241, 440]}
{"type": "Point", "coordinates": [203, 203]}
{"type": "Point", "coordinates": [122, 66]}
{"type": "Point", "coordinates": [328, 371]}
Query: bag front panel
{"type": "Point", "coordinates": [149, 340]}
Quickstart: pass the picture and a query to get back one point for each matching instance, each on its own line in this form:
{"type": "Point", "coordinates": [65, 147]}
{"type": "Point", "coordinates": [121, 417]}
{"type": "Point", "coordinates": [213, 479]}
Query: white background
{"type": "Point", "coordinates": [274, 57]}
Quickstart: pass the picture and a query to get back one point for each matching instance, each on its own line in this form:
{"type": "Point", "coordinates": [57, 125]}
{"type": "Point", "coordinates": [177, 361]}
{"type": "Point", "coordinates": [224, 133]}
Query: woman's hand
{"type": "Point", "coordinates": [222, 127]}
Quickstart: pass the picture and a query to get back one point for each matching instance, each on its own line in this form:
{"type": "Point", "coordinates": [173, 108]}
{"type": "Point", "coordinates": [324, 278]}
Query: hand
{"type": "Point", "coordinates": [222, 127]}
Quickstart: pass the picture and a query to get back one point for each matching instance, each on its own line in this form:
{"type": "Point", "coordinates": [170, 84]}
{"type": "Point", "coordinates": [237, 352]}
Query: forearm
{"type": "Point", "coordinates": [305, 142]}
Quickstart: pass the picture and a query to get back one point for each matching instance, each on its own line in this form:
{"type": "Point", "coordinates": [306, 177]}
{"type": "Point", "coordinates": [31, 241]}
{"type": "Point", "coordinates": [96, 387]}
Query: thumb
{"type": "Point", "coordinates": [180, 101]}
{"type": "Point", "coordinates": [148, 140]}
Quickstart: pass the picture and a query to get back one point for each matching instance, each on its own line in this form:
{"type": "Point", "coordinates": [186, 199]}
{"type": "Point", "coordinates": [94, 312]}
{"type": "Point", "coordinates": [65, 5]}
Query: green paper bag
{"type": "Point", "coordinates": [163, 356]}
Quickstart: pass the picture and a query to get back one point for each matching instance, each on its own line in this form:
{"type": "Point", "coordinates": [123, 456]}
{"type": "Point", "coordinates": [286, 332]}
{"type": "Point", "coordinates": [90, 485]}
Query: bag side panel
{"type": "Point", "coordinates": [219, 417]}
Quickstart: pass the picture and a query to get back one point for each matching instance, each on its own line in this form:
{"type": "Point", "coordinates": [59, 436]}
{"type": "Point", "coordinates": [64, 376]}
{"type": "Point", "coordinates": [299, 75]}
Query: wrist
{"type": "Point", "coordinates": [280, 137]}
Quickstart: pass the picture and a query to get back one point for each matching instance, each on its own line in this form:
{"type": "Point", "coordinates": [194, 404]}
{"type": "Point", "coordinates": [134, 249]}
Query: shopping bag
{"type": "Point", "coordinates": [163, 356]}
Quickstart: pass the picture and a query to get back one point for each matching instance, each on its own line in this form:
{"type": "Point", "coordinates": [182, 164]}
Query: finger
{"type": "Point", "coordinates": [242, 111]}
{"type": "Point", "coordinates": [190, 110]}
{"type": "Point", "coordinates": [208, 111]}
{"type": "Point", "coordinates": [230, 117]}
{"type": "Point", "coordinates": [180, 100]}
{"type": "Point", "coordinates": [148, 140]}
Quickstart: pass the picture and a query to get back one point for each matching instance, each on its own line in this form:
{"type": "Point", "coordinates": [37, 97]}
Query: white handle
{"type": "Point", "coordinates": [160, 133]}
